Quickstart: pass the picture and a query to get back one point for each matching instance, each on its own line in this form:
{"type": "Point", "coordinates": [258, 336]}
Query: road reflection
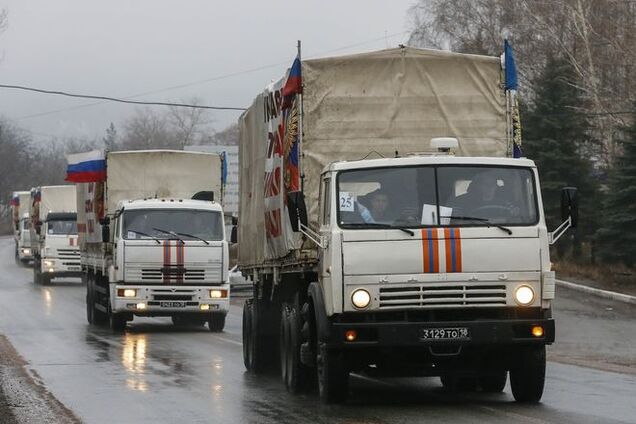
{"type": "Point", "coordinates": [48, 301]}
{"type": "Point", "coordinates": [134, 360]}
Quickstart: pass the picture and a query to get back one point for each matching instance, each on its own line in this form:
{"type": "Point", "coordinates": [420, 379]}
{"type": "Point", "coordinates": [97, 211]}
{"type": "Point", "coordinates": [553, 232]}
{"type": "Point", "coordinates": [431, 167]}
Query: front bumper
{"type": "Point", "coordinates": [25, 254]}
{"type": "Point", "coordinates": [500, 332]}
{"type": "Point", "coordinates": [166, 300]}
{"type": "Point", "coordinates": [60, 267]}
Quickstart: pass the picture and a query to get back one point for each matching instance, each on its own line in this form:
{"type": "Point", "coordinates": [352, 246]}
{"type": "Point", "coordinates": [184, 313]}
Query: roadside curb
{"type": "Point", "coordinates": [598, 292]}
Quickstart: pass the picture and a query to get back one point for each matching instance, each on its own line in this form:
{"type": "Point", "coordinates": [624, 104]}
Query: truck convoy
{"type": "Point", "coordinates": [375, 246]}
{"type": "Point", "coordinates": [20, 201]}
{"type": "Point", "coordinates": [54, 233]}
{"type": "Point", "coordinates": [152, 238]}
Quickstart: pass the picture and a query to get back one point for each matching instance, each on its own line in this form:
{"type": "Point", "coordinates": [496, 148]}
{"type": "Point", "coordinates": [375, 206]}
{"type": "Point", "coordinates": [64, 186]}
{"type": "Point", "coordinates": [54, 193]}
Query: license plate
{"type": "Point", "coordinates": [172, 304]}
{"type": "Point", "coordinates": [453, 333]}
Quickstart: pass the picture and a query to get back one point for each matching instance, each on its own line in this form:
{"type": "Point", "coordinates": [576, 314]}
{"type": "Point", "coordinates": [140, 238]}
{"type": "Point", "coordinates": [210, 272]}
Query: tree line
{"type": "Point", "coordinates": [577, 69]}
{"type": "Point", "coordinates": [26, 162]}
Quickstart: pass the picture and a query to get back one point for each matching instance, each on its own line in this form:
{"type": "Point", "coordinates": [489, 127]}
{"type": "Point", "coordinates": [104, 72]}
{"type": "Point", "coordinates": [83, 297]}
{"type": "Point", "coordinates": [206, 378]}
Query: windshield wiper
{"type": "Point", "coordinates": [172, 233]}
{"type": "Point", "coordinates": [194, 237]}
{"type": "Point", "coordinates": [378, 225]}
{"type": "Point", "coordinates": [487, 221]}
{"type": "Point", "coordinates": [145, 234]}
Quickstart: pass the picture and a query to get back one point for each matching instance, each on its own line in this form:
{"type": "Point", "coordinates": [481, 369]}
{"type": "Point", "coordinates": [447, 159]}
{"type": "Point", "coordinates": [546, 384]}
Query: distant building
{"type": "Point", "coordinates": [230, 197]}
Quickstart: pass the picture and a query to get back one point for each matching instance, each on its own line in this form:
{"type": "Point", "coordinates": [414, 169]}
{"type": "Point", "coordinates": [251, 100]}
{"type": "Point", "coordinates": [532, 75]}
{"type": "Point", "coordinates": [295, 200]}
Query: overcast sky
{"type": "Point", "coordinates": [121, 48]}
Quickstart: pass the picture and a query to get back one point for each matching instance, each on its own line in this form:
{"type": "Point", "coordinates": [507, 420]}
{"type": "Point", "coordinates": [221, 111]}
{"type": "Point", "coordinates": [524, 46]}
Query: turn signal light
{"type": "Point", "coordinates": [351, 335]}
{"type": "Point", "coordinates": [537, 331]}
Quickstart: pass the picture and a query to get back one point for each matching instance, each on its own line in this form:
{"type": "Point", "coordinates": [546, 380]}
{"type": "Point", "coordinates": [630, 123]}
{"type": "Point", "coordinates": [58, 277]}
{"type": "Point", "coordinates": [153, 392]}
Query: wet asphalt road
{"type": "Point", "coordinates": [157, 373]}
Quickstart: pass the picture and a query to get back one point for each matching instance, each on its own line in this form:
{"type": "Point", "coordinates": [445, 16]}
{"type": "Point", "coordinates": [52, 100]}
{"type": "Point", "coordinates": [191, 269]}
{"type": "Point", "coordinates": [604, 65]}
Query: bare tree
{"type": "Point", "coordinates": [597, 37]}
{"type": "Point", "coordinates": [147, 130]}
{"type": "Point", "coordinates": [189, 124]}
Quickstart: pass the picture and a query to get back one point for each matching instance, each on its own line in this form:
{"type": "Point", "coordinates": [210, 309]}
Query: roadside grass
{"type": "Point", "coordinates": [610, 277]}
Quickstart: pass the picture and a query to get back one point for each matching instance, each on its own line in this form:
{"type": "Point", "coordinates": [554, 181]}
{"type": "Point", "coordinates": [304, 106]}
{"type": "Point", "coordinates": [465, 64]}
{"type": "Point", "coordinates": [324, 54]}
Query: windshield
{"type": "Point", "coordinates": [187, 224]}
{"type": "Point", "coordinates": [61, 227]}
{"type": "Point", "coordinates": [421, 196]}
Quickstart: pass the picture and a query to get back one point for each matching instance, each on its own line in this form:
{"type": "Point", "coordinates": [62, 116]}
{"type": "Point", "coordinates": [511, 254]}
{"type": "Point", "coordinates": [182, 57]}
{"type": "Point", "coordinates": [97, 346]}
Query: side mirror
{"type": "Point", "coordinates": [234, 221]}
{"type": "Point", "coordinates": [38, 228]}
{"type": "Point", "coordinates": [233, 235]}
{"type": "Point", "coordinates": [570, 205]}
{"type": "Point", "coordinates": [105, 221]}
{"type": "Point", "coordinates": [105, 233]}
{"type": "Point", "coordinates": [297, 209]}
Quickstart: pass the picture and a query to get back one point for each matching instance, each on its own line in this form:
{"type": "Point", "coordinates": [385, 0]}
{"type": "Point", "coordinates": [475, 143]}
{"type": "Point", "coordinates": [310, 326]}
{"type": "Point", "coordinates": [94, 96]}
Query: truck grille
{"type": "Point", "coordinates": [68, 253]}
{"type": "Point", "coordinates": [428, 296]}
{"type": "Point", "coordinates": [174, 295]}
{"type": "Point", "coordinates": [195, 273]}
{"type": "Point", "coordinates": [157, 274]}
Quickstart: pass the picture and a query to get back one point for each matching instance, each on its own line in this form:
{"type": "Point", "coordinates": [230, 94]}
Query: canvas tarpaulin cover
{"type": "Point", "coordinates": [383, 102]}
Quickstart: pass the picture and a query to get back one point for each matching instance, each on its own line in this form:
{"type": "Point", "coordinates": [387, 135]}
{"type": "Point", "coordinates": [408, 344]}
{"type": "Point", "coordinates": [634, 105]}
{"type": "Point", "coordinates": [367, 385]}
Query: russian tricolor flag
{"type": "Point", "coordinates": [86, 167]}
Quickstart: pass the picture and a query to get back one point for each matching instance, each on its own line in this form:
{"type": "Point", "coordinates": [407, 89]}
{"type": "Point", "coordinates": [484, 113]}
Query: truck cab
{"type": "Point", "coordinates": [431, 265]}
{"type": "Point", "coordinates": [58, 253]}
{"type": "Point", "coordinates": [169, 258]}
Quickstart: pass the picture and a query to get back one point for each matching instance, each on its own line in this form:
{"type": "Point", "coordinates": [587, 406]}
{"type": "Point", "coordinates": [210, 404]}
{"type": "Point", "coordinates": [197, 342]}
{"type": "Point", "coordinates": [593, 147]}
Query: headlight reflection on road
{"type": "Point", "coordinates": [134, 360]}
{"type": "Point", "coordinates": [48, 301]}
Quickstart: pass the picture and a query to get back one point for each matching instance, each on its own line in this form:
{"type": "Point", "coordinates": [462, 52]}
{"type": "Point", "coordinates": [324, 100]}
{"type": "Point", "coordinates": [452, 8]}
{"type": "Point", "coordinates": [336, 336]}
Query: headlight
{"type": "Point", "coordinates": [127, 292]}
{"type": "Point", "coordinates": [218, 294]}
{"type": "Point", "coordinates": [48, 263]}
{"type": "Point", "coordinates": [360, 298]}
{"type": "Point", "coordinates": [26, 251]}
{"type": "Point", "coordinates": [524, 295]}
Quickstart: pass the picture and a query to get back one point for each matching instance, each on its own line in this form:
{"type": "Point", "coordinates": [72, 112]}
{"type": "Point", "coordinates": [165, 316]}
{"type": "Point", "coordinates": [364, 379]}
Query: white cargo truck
{"type": "Point", "coordinates": [152, 239]}
{"type": "Point", "coordinates": [20, 201]}
{"type": "Point", "coordinates": [377, 247]}
{"type": "Point", "coordinates": [54, 233]}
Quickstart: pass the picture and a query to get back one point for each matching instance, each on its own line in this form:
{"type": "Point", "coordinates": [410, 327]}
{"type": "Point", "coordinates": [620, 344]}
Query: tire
{"type": "Point", "coordinates": [99, 317]}
{"type": "Point", "coordinates": [299, 376]}
{"type": "Point", "coordinates": [36, 271]}
{"type": "Point", "coordinates": [117, 322]}
{"type": "Point", "coordinates": [216, 322]}
{"type": "Point", "coordinates": [259, 358]}
{"type": "Point", "coordinates": [527, 377]}
{"type": "Point", "coordinates": [90, 300]}
{"type": "Point", "coordinates": [247, 336]}
{"type": "Point", "coordinates": [283, 339]}
{"type": "Point", "coordinates": [493, 383]}
{"type": "Point", "coordinates": [333, 375]}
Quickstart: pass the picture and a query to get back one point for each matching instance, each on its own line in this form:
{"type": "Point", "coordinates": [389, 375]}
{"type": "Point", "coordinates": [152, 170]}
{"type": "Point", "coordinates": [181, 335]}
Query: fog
{"type": "Point", "coordinates": [124, 48]}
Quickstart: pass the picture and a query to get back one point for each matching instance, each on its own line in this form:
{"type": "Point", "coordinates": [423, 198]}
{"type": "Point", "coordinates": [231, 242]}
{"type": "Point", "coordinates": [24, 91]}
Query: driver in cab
{"type": "Point", "coordinates": [483, 196]}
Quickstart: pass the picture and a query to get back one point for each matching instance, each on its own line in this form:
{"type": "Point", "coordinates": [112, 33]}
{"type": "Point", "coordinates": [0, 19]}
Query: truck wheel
{"type": "Point", "coordinates": [283, 339]}
{"type": "Point", "coordinates": [493, 383]}
{"type": "Point", "coordinates": [297, 376]}
{"type": "Point", "coordinates": [36, 271]}
{"type": "Point", "coordinates": [248, 360]}
{"type": "Point", "coordinates": [333, 375]}
{"type": "Point", "coordinates": [259, 357]}
{"type": "Point", "coordinates": [216, 322]}
{"type": "Point", "coordinates": [90, 302]}
{"type": "Point", "coordinates": [117, 322]}
{"type": "Point", "coordinates": [527, 376]}
{"type": "Point", "coordinates": [98, 317]}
